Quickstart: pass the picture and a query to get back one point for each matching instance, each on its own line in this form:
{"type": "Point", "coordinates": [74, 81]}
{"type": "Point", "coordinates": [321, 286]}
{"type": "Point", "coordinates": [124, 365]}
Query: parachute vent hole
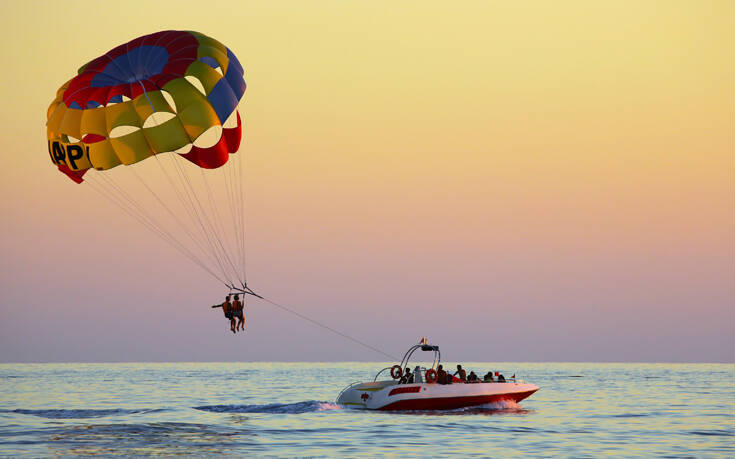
{"type": "Point", "coordinates": [231, 121]}
{"type": "Point", "coordinates": [169, 100]}
{"type": "Point", "coordinates": [209, 138]}
{"type": "Point", "coordinates": [185, 149]}
{"type": "Point", "coordinates": [91, 137]}
{"type": "Point", "coordinates": [120, 131]}
{"type": "Point", "coordinates": [70, 139]}
{"type": "Point", "coordinates": [212, 62]}
{"type": "Point", "coordinates": [125, 98]}
{"type": "Point", "coordinates": [114, 100]}
{"type": "Point", "coordinates": [196, 83]}
{"type": "Point", "coordinates": [157, 118]}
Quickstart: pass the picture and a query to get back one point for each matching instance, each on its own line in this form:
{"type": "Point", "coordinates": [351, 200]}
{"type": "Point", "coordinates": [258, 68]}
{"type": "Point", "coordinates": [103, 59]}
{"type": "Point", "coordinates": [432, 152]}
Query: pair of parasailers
{"type": "Point", "coordinates": [233, 310]}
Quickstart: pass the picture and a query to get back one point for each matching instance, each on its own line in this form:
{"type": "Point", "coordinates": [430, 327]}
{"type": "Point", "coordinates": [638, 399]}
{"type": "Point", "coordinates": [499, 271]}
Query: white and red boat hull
{"type": "Point", "coordinates": [388, 395]}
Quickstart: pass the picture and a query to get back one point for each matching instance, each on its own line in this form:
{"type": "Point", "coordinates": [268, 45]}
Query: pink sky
{"type": "Point", "coordinates": [556, 187]}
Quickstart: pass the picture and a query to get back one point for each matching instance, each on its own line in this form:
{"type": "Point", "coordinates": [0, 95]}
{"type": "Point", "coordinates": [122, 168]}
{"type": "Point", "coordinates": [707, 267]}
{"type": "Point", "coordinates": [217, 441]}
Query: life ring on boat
{"type": "Point", "coordinates": [396, 372]}
{"type": "Point", "coordinates": [431, 376]}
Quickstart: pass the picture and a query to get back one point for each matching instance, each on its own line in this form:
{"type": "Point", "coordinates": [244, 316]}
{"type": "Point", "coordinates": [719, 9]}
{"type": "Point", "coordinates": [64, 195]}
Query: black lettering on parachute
{"type": "Point", "coordinates": [58, 155]}
{"type": "Point", "coordinates": [74, 153]}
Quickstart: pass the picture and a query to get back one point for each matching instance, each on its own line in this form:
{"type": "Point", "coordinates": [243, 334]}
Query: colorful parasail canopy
{"type": "Point", "coordinates": [170, 91]}
{"type": "Point", "coordinates": [172, 96]}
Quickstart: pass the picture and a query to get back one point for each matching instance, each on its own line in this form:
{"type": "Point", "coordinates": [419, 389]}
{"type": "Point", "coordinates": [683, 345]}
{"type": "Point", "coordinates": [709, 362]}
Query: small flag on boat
{"type": "Point", "coordinates": [513, 377]}
{"type": "Point", "coordinates": [424, 341]}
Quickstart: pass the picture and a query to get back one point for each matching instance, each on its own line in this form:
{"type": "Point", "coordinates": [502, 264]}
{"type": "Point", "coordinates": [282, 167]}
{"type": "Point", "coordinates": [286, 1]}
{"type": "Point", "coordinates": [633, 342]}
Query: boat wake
{"type": "Point", "coordinates": [277, 408]}
{"type": "Point", "coordinates": [495, 408]}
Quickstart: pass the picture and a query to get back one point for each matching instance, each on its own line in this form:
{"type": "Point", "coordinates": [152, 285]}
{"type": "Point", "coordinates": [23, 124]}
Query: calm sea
{"type": "Point", "coordinates": [287, 409]}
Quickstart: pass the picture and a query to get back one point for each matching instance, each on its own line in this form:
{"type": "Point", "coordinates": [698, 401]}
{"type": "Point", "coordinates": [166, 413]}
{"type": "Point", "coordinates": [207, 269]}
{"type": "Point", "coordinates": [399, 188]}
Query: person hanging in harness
{"type": "Point", "coordinates": [237, 313]}
{"type": "Point", "coordinates": [227, 309]}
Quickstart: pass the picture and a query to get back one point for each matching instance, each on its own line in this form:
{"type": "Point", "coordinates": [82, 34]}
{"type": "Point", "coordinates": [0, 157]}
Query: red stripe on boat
{"type": "Point", "coordinates": [405, 390]}
{"type": "Point", "coordinates": [450, 403]}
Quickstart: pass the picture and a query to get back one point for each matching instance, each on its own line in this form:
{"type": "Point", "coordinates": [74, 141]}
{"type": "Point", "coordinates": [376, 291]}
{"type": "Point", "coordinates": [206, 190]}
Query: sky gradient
{"type": "Point", "coordinates": [543, 181]}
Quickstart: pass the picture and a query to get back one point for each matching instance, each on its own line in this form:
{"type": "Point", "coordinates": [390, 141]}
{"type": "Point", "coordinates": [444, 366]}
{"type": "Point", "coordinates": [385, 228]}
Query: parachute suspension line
{"type": "Point", "coordinates": [125, 197]}
{"type": "Point", "coordinates": [226, 179]}
{"type": "Point", "coordinates": [241, 208]}
{"type": "Point", "coordinates": [218, 225]}
{"type": "Point", "coordinates": [152, 224]}
{"type": "Point", "coordinates": [214, 222]}
{"type": "Point", "coordinates": [98, 187]}
{"type": "Point", "coordinates": [213, 252]}
{"type": "Point", "coordinates": [180, 223]}
{"type": "Point", "coordinates": [201, 219]}
{"type": "Point", "coordinates": [210, 230]}
{"type": "Point", "coordinates": [126, 206]}
{"type": "Point", "coordinates": [206, 237]}
{"type": "Point", "coordinates": [326, 327]}
{"type": "Point", "coordinates": [216, 218]}
{"type": "Point", "coordinates": [236, 209]}
{"type": "Point", "coordinates": [191, 210]}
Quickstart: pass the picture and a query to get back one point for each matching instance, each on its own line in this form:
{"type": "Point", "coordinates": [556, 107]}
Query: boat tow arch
{"type": "Point", "coordinates": [423, 346]}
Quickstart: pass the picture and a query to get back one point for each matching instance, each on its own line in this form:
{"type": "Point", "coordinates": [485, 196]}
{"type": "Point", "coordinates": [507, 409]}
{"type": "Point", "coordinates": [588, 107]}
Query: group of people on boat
{"type": "Point", "coordinates": [459, 376]}
{"type": "Point", "coordinates": [233, 312]}
{"type": "Point", "coordinates": [443, 377]}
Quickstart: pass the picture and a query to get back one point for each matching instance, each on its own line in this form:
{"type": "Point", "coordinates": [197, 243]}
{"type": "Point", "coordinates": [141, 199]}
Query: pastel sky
{"type": "Point", "coordinates": [518, 181]}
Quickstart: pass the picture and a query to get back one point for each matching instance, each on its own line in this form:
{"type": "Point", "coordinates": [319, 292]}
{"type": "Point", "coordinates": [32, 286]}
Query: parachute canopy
{"type": "Point", "coordinates": [171, 91]}
{"type": "Point", "coordinates": [171, 96]}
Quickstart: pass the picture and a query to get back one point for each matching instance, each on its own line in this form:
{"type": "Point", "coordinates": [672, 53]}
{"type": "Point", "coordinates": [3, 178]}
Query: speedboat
{"type": "Point", "coordinates": [424, 392]}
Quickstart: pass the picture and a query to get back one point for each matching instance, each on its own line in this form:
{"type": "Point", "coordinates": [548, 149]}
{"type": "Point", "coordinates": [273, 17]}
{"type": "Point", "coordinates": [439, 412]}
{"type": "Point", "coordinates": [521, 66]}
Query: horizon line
{"type": "Point", "coordinates": [350, 361]}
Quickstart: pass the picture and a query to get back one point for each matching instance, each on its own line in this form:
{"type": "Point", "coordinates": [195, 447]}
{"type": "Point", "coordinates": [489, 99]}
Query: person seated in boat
{"type": "Point", "coordinates": [227, 309]}
{"type": "Point", "coordinates": [441, 375]}
{"type": "Point", "coordinates": [472, 378]}
{"type": "Point", "coordinates": [237, 308]}
{"type": "Point", "coordinates": [501, 378]}
{"type": "Point", "coordinates": [488, 377]}
{"type": "Point", "coordinates": [407, 377]}
{"type": "Point", "coordinates": [461, 373]}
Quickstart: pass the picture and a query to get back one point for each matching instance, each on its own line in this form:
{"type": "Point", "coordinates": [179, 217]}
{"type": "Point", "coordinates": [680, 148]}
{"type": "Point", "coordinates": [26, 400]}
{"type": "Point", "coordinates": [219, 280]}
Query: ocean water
{"type": "Point", "coordinates": [288, 409]}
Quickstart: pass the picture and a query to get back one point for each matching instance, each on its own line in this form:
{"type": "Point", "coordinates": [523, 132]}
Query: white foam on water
{"type": "Point", "coordinates": [327, 406]}
{"type": "Point", "coordinates": [502, 405]}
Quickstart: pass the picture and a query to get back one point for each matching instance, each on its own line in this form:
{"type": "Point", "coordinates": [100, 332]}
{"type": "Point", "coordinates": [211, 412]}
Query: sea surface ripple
{"type": "Point", "coordinates": [288, 409]}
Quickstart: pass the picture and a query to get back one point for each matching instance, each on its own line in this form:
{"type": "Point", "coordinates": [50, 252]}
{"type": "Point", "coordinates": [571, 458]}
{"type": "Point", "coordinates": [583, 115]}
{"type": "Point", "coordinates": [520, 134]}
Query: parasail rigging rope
{"type": "Point", "coordinates": [326, 327]}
